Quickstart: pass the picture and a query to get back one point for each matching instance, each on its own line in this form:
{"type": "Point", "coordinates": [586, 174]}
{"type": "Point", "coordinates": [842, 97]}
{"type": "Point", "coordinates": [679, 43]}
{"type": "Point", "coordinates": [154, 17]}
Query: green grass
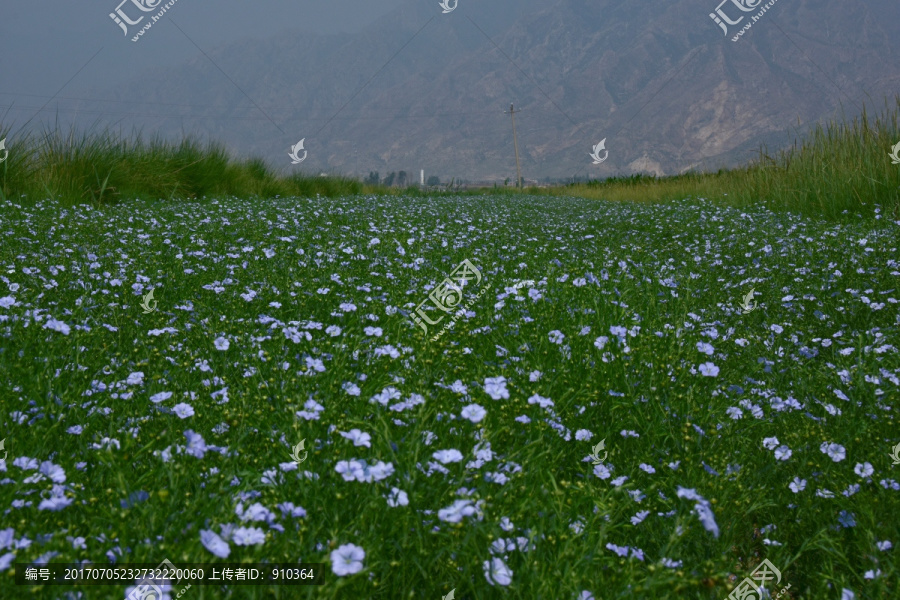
{"type": "Point", "coordinates": [101, 168]}
{"type": "Point", "coordinates": [672, 275]}
{"type": "Point", "coordinates": [841, 169]}
{"type": "Point", "coordinates": [838, 171]}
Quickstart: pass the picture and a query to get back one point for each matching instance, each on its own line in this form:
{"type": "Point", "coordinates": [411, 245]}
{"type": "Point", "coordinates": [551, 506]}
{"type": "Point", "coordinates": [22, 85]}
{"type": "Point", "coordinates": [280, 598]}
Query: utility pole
{"type": "Point", "coordinates": [512, 113]}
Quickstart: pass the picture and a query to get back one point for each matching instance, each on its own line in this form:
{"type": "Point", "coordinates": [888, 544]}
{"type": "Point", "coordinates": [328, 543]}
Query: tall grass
{"type": "Point", "coordinates": [100, 167]}
{"type": "Point", "coordinates": [840, 169]}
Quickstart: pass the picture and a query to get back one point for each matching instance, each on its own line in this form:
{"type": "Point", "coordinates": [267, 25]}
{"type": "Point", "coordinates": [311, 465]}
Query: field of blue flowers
{"type": "Point", "coordinates": [632, 423]}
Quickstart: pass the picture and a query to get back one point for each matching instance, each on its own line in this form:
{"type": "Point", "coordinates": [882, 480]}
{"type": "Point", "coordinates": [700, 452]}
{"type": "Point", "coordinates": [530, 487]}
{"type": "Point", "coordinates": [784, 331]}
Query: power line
{"type": "Point", "coordinates": [121, 114]}
{"type": "Point", "coordinates": [230, 117]}
{"type": "Point", "coordinates": [65, 84]}
{"type": "Point", "coordinates": [521, 71]}
{"type": "Point", "coordinates": [284, 108]}
{"type": "Point", "coordinates": [375, 75]}
{"type": "Point", "coordinates": [661, 88]}
{"type": "Point", "coordinates": [227, 76]}
{"type": "Point", "coordinates": [816, 65]}
{"type": "Point", "coordinates": [335, 116]}
{"type": "Point", "coordinates": [106, 100]}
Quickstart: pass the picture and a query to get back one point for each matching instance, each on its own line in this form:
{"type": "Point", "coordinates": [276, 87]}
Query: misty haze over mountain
{"type": "Point", "coordinates": [413, 88]}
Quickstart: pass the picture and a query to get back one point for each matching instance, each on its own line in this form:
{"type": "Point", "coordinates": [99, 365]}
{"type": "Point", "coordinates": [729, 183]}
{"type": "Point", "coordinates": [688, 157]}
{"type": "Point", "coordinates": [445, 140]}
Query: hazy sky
{"type": "Point", "coordinates": [44, 44]}
{"type": "Point", "coordinates": [69, 59]}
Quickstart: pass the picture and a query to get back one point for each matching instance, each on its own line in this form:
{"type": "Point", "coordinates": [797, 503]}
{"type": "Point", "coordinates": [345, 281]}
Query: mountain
{"type": "Point", "coordinates": [419, 89]}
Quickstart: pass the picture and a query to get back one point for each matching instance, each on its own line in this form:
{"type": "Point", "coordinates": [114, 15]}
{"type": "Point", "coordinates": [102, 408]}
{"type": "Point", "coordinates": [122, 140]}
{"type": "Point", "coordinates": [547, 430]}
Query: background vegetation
{"type": "Point", "coordinates": [841, 169]}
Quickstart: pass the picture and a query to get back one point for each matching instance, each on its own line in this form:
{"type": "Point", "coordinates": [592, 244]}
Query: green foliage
{"type": "Point", "coordinates": [671, 276]}
{"type": "Point", "coordinates": [839, 171]}
{"type": "Point", "coordinates": [103, 169]}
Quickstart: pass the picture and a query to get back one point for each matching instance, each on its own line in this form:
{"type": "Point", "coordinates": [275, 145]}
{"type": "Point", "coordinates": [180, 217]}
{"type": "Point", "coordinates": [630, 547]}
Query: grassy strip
{"type": "Point", "coordinates": [837, 170]}
{"type": "Point", "coordinates": [843, 168]}
{"type": "Point", "coordinates": [102, 168]}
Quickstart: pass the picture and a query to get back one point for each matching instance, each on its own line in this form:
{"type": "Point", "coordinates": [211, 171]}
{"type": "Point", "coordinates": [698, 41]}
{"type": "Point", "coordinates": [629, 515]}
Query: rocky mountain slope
{"type": "Point", "coordinates": [659, 81]}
